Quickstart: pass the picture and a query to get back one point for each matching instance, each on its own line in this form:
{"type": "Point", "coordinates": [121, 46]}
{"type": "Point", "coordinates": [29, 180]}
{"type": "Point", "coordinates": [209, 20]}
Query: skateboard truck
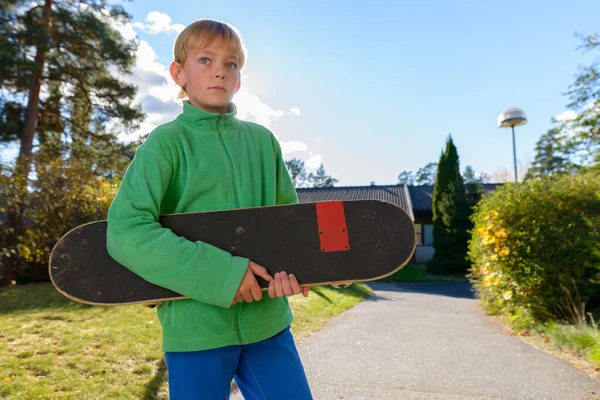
{"type": "Point", "coordinates": [153, 305]}
{"type": "Point", "coordinates": [341, 285]}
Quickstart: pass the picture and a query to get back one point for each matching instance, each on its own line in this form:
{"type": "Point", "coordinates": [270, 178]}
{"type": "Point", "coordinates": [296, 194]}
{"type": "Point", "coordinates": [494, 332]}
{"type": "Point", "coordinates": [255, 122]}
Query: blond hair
{"type": "Point", "coordinates": [202, 33]}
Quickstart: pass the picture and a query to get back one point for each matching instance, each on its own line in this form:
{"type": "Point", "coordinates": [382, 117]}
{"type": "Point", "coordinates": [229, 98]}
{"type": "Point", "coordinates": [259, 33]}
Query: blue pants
{"type": "Point", "coordinates": [270, 369]}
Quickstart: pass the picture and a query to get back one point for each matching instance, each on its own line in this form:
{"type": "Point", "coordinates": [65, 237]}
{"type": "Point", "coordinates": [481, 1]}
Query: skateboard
{"type": "Point", "coordinates": [324, 243]}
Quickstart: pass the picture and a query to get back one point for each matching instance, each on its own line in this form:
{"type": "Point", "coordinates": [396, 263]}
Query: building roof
{"type": "Point", "coordinates": [422, 196]}
{"type": "Point", "coordinates": [413, 199]}
{"type": "Point", "coordinates": [397, 194]}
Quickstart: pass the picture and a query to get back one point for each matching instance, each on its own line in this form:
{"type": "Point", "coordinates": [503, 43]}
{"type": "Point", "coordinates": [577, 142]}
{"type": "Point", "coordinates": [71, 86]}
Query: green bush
{"type": "Point", "coordinates": [62, 196]}
{"type": "Point", "coordinates": [535, 250]}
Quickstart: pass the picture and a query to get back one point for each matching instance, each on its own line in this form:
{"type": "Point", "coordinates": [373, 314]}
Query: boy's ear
{"type": "Point", "coordinates": [239, 84]}
{"type": "Point", "coordinates": [176, 71]}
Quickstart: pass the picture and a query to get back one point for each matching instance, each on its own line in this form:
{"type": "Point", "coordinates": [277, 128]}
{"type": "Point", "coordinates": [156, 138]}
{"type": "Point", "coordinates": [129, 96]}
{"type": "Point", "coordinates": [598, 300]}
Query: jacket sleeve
{"type": "Point", "coordinates": [136, 239]}
{"type": "Point", "coordinates": [286, 193]}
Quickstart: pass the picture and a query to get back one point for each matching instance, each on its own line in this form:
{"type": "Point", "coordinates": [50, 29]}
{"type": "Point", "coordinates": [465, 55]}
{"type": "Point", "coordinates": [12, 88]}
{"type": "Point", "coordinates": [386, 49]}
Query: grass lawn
{"type": "Point", "coordinates": [54, 348]}
{"type": "Point", "coordinates": [418, 274]}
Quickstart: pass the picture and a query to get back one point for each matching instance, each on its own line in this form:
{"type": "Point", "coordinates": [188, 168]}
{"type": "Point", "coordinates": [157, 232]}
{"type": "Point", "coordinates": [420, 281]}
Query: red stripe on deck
{"type": "Point", "coordinates": [333, 231]}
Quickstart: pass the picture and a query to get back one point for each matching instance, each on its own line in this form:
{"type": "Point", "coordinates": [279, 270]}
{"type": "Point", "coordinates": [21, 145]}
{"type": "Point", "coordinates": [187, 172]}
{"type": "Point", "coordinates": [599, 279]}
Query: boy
{"type": "Point", "coordinates": [205, 160]}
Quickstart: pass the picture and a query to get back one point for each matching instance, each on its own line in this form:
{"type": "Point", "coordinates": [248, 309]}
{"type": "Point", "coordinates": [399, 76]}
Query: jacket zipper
{"type": "Point", "coordinates": [228, 156]}
{"type": "Point", "coordinates": [237, 311]}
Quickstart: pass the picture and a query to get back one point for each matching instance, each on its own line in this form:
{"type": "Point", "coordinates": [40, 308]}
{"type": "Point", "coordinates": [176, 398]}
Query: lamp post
{"type": "Point", "coordinates": [512, 117]}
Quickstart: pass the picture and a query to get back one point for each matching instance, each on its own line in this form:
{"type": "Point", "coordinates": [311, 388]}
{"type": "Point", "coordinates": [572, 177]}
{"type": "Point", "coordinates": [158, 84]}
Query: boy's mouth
{"type": "Point", "coordinates": [217, 88]}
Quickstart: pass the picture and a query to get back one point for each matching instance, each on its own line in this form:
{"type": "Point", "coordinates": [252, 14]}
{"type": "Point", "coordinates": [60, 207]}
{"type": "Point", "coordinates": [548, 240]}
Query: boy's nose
{"type": "Point", "coordinates": [220, 73]}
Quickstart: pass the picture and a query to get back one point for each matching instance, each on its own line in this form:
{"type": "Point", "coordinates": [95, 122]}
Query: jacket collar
{"type": "Point", "coordinates": [194, 117]}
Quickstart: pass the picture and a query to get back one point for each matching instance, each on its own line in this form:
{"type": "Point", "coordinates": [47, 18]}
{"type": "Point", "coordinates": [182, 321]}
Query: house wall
{"type": "Point", "coordinates": [423, 253]}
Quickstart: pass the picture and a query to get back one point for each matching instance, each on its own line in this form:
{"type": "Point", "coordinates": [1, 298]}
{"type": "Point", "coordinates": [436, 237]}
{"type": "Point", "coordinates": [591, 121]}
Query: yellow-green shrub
{"type": "Point", "coordinates": [535, 249]}
{"type": "Point", "coordinates": [62, 196]}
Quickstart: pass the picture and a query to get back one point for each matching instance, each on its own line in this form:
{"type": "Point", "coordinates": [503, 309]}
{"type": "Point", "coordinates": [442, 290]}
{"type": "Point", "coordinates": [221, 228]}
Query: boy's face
{"type": "Point", "coordinates": [210, 76]}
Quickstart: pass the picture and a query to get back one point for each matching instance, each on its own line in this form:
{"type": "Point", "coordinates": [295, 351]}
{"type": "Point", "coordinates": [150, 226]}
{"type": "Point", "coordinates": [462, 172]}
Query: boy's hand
{"type": "Point", "coordinates": [249, 289]}
{"type": "Point", "coordinates": [286, 285]}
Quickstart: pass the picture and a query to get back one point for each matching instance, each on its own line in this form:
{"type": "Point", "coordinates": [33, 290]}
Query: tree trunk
{"type": "Point", "coordinates": [31, 114]}
{"type": "Point", "coordinates": [22, 167]}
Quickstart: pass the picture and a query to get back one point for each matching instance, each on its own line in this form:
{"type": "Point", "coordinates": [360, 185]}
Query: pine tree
{"type": "Point", "coordinates": [302, 179]}
{"type": "Point", "coordinates": [451, 211]}
{"type": "Point", "coordinates": [473, 187]}
{"type": "Point", "coordinates": [426, 175]}
{"type": "Point", "coordinates": [321, 179]}
{"type": "Point", "coordinates": [297, 171]}
{"type": "Point", "coordinates": [550, 157]}
{"type": "Point", "coordinates": [72, 49]}
{"type": "Point", "coordinates": [584, 141]}
{"type": "Point", "coordinates": [406, 178]}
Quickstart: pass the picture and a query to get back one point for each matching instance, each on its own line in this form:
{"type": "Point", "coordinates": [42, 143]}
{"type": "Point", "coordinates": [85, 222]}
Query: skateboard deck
{"type": "Point", "coordinates": [331, 242]}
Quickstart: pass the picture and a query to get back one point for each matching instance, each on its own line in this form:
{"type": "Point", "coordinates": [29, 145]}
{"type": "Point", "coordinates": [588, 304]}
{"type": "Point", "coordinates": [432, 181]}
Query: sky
{"type": "Point", "coordinates": [370, 89]}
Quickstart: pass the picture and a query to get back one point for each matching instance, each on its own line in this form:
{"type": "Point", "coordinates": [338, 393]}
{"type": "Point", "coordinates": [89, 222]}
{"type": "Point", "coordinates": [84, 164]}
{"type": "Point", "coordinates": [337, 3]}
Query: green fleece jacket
{"type": "Point", "coordinates": [201, 161]}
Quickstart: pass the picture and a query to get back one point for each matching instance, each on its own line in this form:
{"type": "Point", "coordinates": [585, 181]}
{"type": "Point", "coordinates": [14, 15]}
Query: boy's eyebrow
{"type": "Point", "coordinates": [212, 53]}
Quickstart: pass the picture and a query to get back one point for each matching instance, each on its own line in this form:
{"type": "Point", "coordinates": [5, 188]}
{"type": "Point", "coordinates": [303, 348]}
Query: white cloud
{"type": "Point", "coordinates": [126, 30]}
{"type": "Point", "coordinates": [251, 108]}
{"type": "Point", "coordinates": [292, 146]}
{"type": "Point", "coordinates": [295, 111]}
{"type": "Point", "coordinates": [146, 60]}
{"type": "Point", "coordinates": [566, 116]}
{"type": "Point", "coordinates": [157, 22]}
{"type": "Point", "coordinates": [568, 126]}
{"type": "Point", "coordinates": [156, 91]}
{"type": "Point", "coordinates": [314, 162]}
{"type": "Point", "coordinates": [152, 121]}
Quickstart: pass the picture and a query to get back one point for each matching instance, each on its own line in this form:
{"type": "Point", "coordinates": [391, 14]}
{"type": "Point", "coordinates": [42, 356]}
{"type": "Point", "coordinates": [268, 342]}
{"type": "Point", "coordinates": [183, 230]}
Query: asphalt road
{"type": "Point", "coordinates": [431, 341]}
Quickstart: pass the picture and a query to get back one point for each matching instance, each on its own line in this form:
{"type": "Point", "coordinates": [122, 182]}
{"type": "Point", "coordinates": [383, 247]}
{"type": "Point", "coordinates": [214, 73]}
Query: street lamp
{"type": "Point", "coordinates": [512, 117]}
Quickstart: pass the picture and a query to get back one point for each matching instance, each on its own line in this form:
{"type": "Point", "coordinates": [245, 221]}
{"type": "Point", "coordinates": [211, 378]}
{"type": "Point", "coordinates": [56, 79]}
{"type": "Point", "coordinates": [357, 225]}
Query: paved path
{"type": "Point", "coordinates": [430, 341]}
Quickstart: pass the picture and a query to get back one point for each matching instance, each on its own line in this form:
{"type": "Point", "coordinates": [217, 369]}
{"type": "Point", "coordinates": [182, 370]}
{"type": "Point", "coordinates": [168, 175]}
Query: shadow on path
{"type": "Point", "coordinates": [463, 290]}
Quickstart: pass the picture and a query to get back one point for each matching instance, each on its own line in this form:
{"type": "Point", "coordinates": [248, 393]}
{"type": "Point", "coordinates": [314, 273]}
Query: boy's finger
{"type": "Point", "coordinates": [247, 297]}
{"type": "Point", "coordinates": [285, 282]}
{"type": "Point", "coordinates": [305, 290]}
{"type": "Point", "coordinates": [256, 292]}
{"type": "Point", "coordinates": [271, 290]}
{"type": "Point", "coordinates": [295, 285]}
{"type": "Point", "coordinates": [278, 286]}
{"type": "Point", "coordinates": [260, 271]}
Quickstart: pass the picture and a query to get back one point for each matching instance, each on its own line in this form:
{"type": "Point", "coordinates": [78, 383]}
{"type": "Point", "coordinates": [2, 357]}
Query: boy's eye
{"type": "Point", "coordinates": [204, 60]}
{"type": "Point", "coordinates": [231, 65]}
